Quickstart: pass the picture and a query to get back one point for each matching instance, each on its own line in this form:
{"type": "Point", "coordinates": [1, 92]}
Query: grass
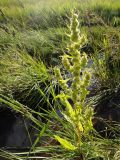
{"type": "Point", "coordinates": [27, 13]}
{"type": "Point", "coordinates": [32, 40]}
{"type": "Point", "coordinates": [107, 66]}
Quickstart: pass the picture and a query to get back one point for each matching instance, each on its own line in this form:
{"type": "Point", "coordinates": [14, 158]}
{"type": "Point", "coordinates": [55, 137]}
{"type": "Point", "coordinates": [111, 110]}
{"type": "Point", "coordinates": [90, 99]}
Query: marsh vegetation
{"type": "Point", "coordinates": [60, 79]}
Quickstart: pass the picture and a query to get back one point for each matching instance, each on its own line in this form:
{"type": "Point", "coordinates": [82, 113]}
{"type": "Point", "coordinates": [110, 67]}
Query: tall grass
{"type": "Point", "coordinates": [25, 13]}
{"type": "Point", "coordinates": [107, 59]}
{"type": "Point", "coordinates": [33, 30]}
{"type": "Point", "coordinates": [23, 76]}
{"type": "Point", "coordinates": [28, 74]}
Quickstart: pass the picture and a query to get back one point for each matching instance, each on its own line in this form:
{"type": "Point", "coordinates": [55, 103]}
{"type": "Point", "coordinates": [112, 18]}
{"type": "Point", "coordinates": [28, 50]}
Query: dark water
{"type": "Point", "coordinates": [13, 130]}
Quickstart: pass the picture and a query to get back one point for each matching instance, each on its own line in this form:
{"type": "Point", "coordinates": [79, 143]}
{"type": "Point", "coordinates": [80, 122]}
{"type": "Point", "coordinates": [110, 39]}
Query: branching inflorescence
{"type": "Point", "coordinates": [79, 114]}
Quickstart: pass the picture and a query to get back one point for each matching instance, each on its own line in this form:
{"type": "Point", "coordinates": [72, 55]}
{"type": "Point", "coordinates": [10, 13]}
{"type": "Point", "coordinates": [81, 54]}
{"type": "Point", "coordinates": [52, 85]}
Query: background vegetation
{"type": "Point", "coordinates": [32, 40]}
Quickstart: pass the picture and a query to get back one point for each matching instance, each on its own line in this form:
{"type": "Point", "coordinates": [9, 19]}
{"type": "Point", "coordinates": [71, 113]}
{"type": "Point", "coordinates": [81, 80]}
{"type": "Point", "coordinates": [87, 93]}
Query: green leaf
{"type": "Point", "coordinates": [39, 136]}
{"type": "Point", "coordinates": [65, 143]}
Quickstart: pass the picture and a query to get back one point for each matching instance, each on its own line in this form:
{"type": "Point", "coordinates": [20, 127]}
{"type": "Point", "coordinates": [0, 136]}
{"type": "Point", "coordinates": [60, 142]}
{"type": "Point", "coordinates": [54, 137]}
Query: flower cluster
{"type": "Point", "coordinates": [75, 62]}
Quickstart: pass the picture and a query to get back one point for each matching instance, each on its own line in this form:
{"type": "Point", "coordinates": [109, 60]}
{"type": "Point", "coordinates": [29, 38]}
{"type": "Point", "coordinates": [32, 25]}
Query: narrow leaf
{"type": "Point", "coordinates": [65, 143]}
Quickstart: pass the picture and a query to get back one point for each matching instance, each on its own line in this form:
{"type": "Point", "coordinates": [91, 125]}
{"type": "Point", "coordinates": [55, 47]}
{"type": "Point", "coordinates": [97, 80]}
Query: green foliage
{"type": "Point", "coordinates": [107, 66]}
{"type": "Point", "coordinates": [65, 143]}
{"type": "Point", "coordinates": [30, 30]}
{"type": "Point", "coordinates": [19, 108]}
{"type": "Point", "coordinates": [24, 77]}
